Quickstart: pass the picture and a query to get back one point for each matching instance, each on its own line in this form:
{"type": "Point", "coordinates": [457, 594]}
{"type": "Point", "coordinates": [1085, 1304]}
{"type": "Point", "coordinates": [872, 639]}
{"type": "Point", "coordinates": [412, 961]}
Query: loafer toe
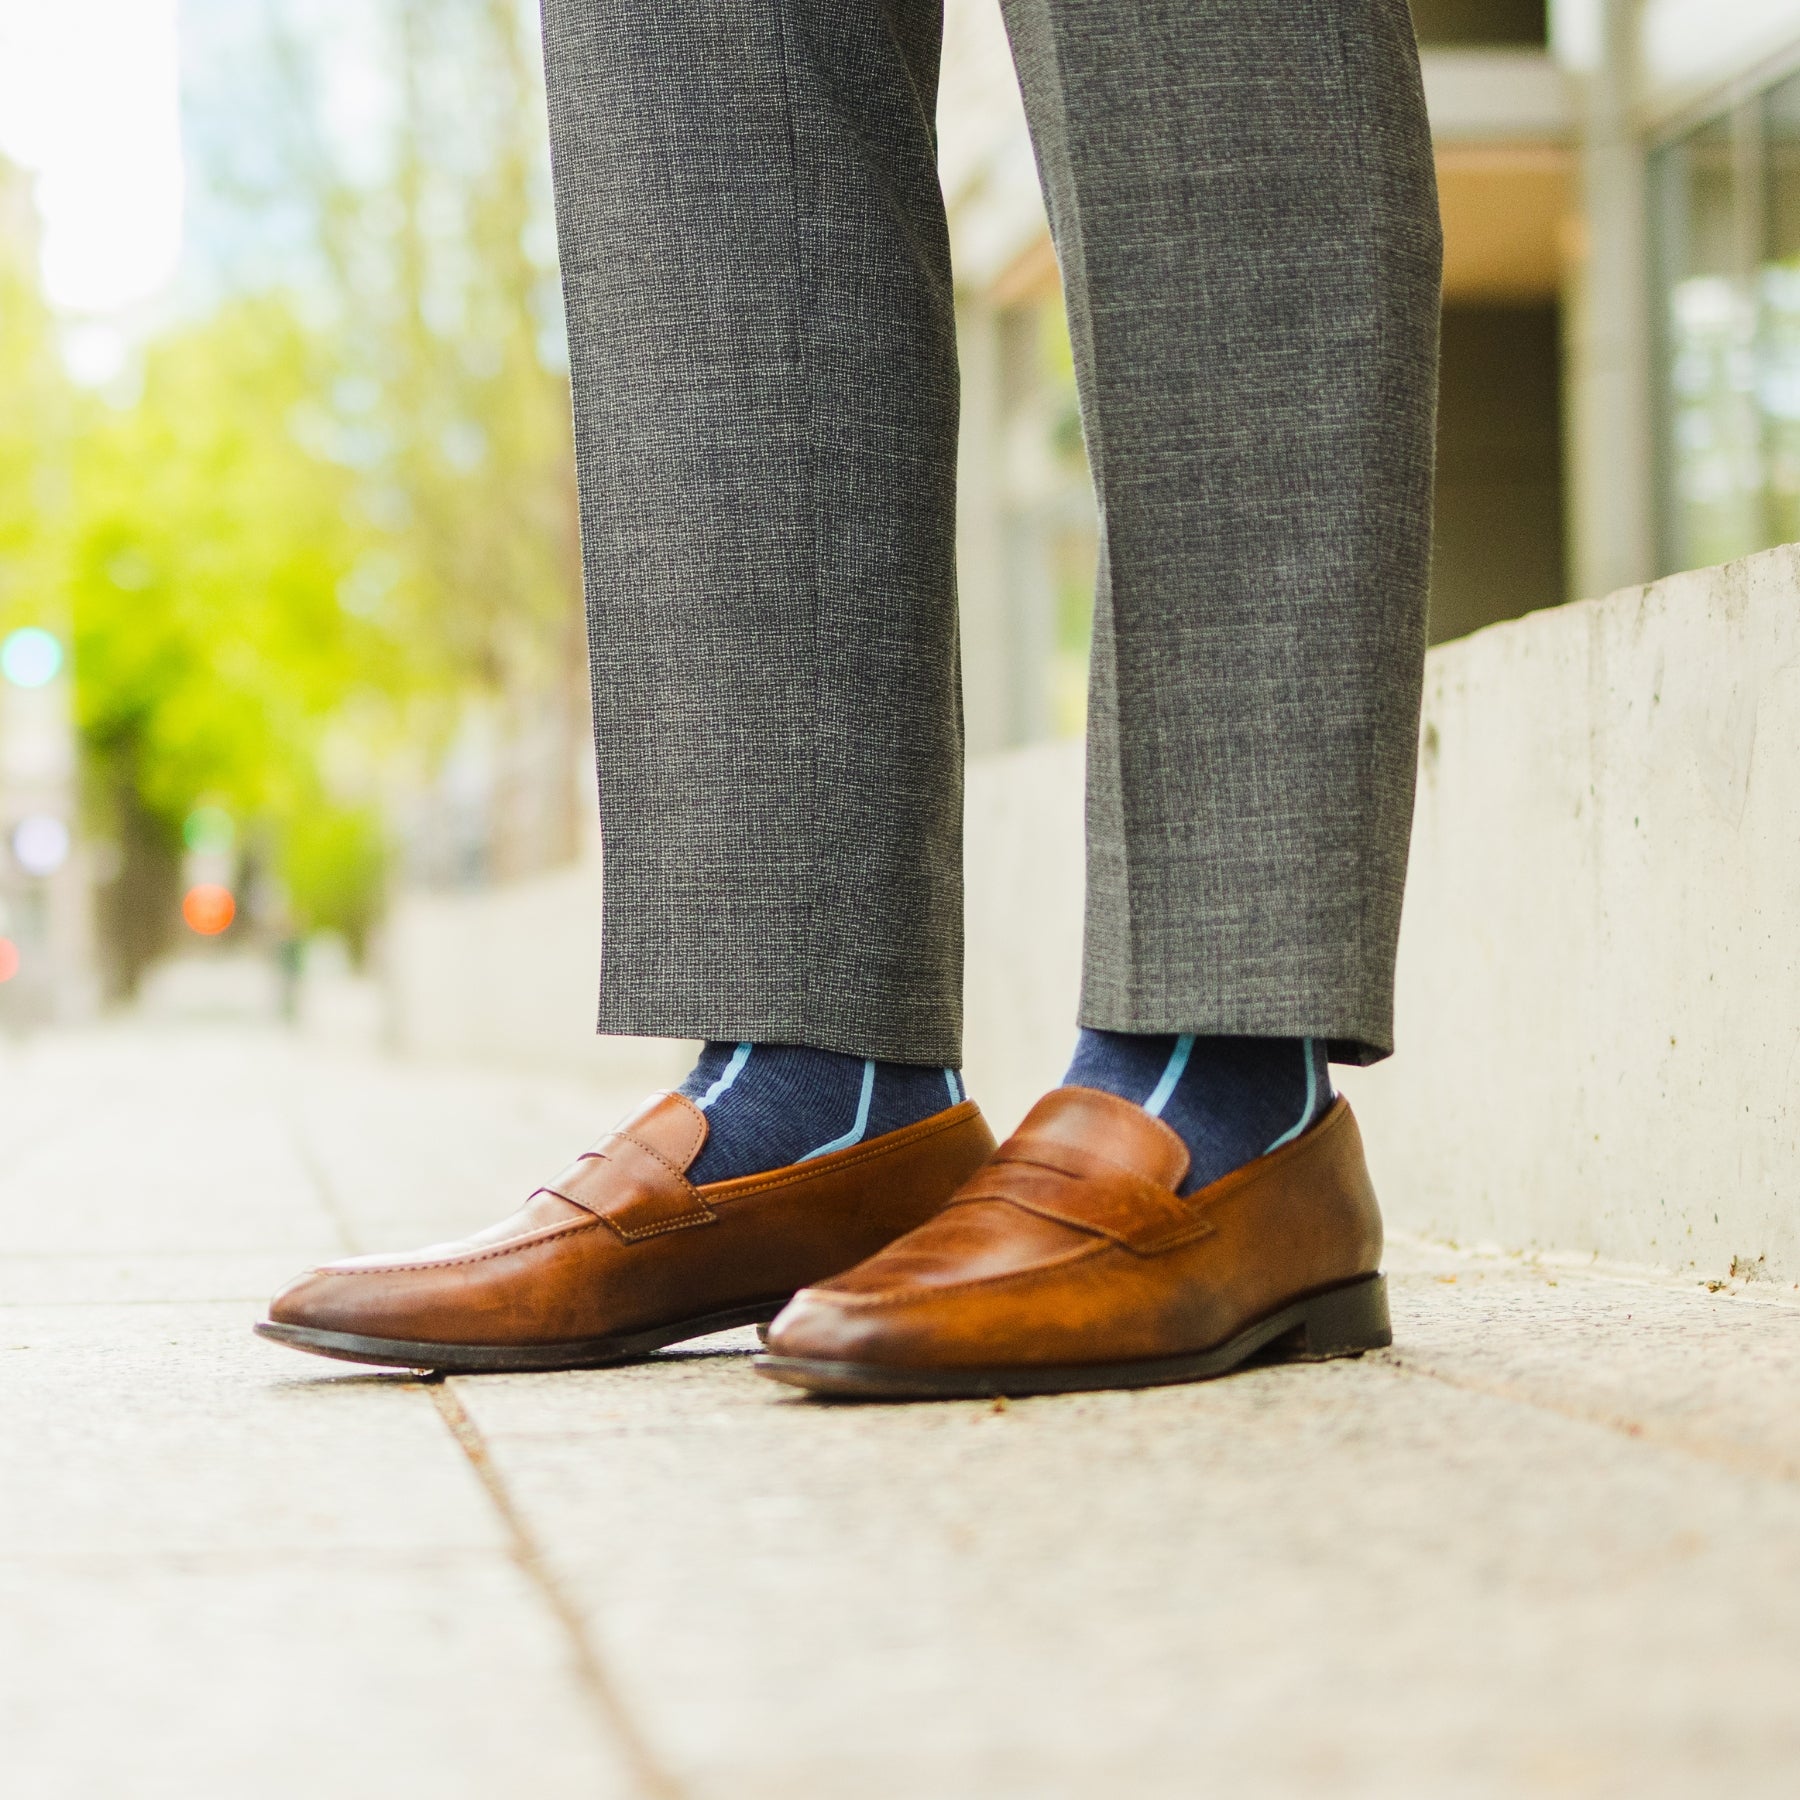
{"type": "Point", "coordinates": [317, 1302]}
{"type": "Point", "coordinates": [823, 1327]}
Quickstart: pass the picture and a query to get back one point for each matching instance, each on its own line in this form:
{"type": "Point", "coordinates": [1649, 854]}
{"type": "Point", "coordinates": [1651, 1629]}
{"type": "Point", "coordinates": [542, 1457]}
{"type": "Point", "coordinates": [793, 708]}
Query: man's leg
{"type": "Point", "coordinates": [756, 268]}
{"type": "Point", "coordinates": [1265, 505]}
{"type": "Point", "coordinates": [760, 325]}
{"type": "Point", "coordinates": [1243, 202]}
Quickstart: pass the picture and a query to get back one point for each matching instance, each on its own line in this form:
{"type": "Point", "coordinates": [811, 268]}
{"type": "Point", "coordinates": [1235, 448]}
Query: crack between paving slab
{"type": "Point", "coordinates": [655, 1780]}
{"type": "Point", "coordinates": [1736, 1457]}
{"type": "Point", "coordinates": [323, 1188]}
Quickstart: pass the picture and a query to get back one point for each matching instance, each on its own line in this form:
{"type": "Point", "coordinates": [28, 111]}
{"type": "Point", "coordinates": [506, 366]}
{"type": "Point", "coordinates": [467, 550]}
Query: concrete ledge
{"type": "Point", "coordinates": [1599, 987]}
{"type": "Point", "coordinates": [1600, 964]}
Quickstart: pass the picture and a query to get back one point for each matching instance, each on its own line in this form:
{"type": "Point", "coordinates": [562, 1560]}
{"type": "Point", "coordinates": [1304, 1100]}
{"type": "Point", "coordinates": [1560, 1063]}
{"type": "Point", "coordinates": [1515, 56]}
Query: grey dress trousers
{"type": "Point", "coordinates": [756, 271]}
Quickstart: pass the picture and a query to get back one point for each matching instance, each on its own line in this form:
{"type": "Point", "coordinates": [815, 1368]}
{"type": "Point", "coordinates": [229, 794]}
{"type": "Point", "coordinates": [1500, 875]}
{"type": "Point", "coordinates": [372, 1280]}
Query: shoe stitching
{"type": "Point", "coordinates": [697, 1126]}
{"type": "Point", "coordinates": [705, 1216]}
{"type": "Point", "coordinates": [549, 1235]}
{"type": "Point", "coordinates": [698, 1214]}
{"type": "Point", "coordinates": [649, 1150]}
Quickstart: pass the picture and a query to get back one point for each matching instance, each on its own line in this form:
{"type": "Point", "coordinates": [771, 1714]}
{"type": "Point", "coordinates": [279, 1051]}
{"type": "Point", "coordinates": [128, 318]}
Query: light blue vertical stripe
{"type": "Point", "coordinates": [954, 1086]}
{"type": "Point", "coordinates": [1178, 1060]}
{"type": "Point", "coordinates": [1312, 1097]}
{"type": "Point", "coordinates": [855, 1133]}
{"type": "Point", "coordinates": [733, 1070]}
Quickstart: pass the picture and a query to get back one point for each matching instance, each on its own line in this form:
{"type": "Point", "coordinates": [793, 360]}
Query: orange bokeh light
{"type": "Point", "coordinates": [208, 908]}
{"type": "Point", "coordinates": [9, 959]}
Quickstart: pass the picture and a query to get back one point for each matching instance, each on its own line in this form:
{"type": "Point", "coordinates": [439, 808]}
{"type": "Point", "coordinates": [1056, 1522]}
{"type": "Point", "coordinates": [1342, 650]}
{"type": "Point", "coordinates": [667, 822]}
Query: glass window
{"type": "Point", "coordinates": [1727, 201]}
{"type": "Point", "coordinates": [1713, 485]}
{"type": "Point", "coordinates": [1778, 360]}
{"type": "Point", "coordinates": [1469, 22]}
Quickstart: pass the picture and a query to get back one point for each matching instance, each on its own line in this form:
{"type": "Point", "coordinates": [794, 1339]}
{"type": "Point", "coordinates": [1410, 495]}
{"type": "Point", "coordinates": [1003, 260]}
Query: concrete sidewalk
{"type": "Point", "coordinates": [1550, 1544]}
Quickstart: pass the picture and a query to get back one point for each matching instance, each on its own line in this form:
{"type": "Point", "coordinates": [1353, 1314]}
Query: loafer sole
{"type": "Point", "coordinates": [499, 1359]}
{"type": "Point", "coordinates": [1338, 1321]}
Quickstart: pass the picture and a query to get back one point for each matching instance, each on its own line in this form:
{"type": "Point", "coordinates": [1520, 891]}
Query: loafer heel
{"type": "Point", "coordinates": [1346, 1321]}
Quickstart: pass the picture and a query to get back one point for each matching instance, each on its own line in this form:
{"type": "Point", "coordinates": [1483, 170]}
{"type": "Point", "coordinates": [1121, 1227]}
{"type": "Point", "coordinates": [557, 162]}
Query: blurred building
{"type": "Point", "coordinates": [47, 952]}
{"type": "Point", "coordinates": [46, 936]}
{"type": "Point", "coordinates": [1620, 185]}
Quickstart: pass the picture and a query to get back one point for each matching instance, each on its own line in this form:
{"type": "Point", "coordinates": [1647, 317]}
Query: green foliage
{"type": "Point", "coordinates": [335, 863]}
{"type": "Point", "coordinates": [339, 505]}
{"type": "Point", "coordinates": [33, 422]}
{"type": "Point", "coordinates": [209, 549]}
{"type": "Point", "coordinates": [208, 552]}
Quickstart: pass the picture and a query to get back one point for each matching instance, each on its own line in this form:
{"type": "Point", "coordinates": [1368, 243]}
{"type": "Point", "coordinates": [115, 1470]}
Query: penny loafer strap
{"type": "Point", "coordinates": [1135, 1213]}
{"type": "Point", "coordinates": [632, 1187]}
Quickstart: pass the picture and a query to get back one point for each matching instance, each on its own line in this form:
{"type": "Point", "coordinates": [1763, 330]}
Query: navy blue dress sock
{"type": "Point", "coordinates": [768, 1105]}
{"type": "Point", "coordinates": [1230, 1099]}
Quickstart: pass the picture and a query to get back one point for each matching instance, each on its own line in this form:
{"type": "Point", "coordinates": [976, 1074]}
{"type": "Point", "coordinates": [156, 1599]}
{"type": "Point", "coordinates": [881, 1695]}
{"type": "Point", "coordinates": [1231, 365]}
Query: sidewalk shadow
{"type": "Point", "coordinates": [674, 1357]}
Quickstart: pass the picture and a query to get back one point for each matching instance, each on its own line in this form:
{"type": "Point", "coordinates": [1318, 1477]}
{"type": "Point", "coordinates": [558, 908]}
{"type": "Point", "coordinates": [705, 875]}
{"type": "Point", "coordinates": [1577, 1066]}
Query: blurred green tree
{"type": "Point", "coordinates": [34, 422]}
{"type": "Point", "coordinates": [211, 556]}
{"type": "Point", "coordinates": [424, 236]}
{"type": "Point", "coordinates": [337, 516]}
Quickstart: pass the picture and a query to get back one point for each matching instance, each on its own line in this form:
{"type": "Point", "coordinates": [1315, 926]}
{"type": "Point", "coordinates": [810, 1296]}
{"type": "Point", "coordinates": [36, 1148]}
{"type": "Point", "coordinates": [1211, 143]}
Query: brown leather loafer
{"type": "Point", "coordinates": [622, 1254]}
{"type": "Point", "coordinates": [1069, 1261]}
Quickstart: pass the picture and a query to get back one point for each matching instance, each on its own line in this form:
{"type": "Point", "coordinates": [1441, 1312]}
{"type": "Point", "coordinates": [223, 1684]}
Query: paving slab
{"type": "Point", "coordinates": [147, 1146]}
{"type": "Point", "coordinates": [146, 1277]}
{"type": "Point", "coordinates": [222, 1568]}
{"type": "Point", "coordinates": [166, 1430]}
{"type": "Point", "coordinates": [1336, 1580]}
{"type": "Point", "coordinates": [1547, 1545]}
{"type": "Point", "coordinates": [209, 1677]}
{"type": "Point", "coordinates": [1667, 1360]}
{"type": "Point", "coordinates": [218, 1574]}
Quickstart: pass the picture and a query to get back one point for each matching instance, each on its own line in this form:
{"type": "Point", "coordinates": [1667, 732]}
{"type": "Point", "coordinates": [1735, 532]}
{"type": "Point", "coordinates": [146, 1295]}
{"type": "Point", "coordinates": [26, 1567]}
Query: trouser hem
{"type": "Point", "coordinates": [1357, 1036]}
{"type": "Point", "coordinates": [924, 1043]}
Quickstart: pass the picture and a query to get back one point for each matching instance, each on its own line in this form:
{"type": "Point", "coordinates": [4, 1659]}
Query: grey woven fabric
{"type": "Point", "coordinates": [756, 271]}
{"type": "Point", "coordinates": [1245, 206]}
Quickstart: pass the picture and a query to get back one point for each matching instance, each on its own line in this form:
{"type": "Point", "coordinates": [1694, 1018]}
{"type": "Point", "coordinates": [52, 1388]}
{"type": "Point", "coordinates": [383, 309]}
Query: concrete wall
{"type": "Point", "coordinates": [1600, 964]}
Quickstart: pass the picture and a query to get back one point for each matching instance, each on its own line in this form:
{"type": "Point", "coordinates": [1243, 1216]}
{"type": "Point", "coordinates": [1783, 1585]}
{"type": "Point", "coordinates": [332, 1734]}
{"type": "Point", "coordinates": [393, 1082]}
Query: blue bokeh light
{"type": "Point", "coordinates": [31, 657]}
{"type": "Point", "coordinates": [40, 844]}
